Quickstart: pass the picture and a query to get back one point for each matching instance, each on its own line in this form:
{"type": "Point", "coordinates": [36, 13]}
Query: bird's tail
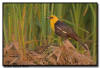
{"type": "Point", "coordinates": [84, 45]}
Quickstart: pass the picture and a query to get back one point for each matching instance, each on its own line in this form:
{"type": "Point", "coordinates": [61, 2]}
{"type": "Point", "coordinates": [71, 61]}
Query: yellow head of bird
{"type": "Point", "coordinates": [53, 19]}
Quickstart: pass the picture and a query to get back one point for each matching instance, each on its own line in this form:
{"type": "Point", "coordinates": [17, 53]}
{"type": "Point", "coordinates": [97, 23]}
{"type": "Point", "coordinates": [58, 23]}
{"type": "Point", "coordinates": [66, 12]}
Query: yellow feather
{"type": "Point", "coordinates": [53, 21]}
{"type": "Point", "coordinates": [52, 26]}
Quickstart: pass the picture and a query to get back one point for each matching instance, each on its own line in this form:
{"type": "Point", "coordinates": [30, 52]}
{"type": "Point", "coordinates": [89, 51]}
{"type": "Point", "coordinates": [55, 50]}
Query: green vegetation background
{"type": "Point", "coordinates": [28, 23]}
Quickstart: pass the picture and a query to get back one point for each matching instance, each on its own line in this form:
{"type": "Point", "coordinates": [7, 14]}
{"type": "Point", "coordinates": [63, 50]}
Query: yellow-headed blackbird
{"type": "Point", "coordinates": [63, 30]}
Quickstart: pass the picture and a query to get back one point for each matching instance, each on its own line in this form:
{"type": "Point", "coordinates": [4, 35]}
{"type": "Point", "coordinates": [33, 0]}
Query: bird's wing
{"type": "Point", "coordinates": [65, 29]}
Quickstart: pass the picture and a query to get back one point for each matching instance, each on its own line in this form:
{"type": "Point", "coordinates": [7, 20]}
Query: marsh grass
{"type": "Point", "coordinates": [29, 24]}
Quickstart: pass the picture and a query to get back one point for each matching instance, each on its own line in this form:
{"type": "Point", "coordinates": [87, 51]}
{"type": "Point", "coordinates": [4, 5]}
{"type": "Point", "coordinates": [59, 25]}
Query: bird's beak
{"type": "Point", "coordinates": [48, 17]}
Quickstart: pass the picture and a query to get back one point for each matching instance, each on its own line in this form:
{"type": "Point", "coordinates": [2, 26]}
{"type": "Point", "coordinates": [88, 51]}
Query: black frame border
{"type": "Point", "coordinates": [51, 65]}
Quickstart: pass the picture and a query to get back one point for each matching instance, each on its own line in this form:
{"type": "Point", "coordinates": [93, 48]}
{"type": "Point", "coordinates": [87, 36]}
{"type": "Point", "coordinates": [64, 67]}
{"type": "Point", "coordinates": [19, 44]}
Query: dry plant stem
{"type": "Point", "coordinates": [81, 58]}
{"type": "Point", "coordinates": [13, 61]}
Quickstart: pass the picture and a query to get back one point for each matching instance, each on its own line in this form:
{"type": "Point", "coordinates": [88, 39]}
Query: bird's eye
{"type": "Point", "coordinates": [51, 17]}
